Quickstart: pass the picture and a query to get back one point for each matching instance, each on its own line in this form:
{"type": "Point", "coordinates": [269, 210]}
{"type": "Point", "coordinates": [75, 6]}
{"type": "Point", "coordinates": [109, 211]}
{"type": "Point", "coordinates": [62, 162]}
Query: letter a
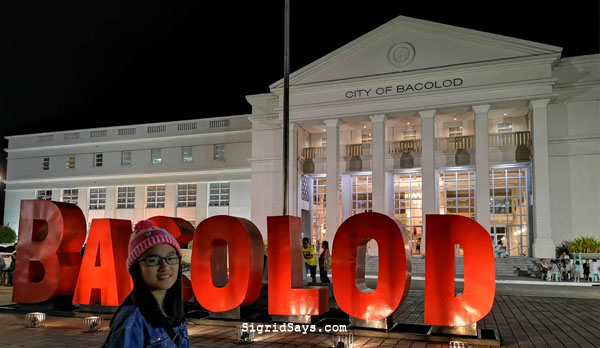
{"type": "Point", "coordinates": [50, 238]}
{"type": "Point", "coordinates": [441, 306]}
{"type": "Point", "coordinates": [104, 278]}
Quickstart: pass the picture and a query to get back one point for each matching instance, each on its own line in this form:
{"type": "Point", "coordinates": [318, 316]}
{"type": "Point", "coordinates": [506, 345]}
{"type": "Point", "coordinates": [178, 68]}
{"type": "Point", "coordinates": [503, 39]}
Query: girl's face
{"type": "Point", "coordinates": [161, 276]}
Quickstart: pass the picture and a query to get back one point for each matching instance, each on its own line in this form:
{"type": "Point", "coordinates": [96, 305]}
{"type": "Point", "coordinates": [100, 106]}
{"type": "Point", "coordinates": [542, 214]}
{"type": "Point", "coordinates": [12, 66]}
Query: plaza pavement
{"type": "Point", "coordinates": [524, 315]}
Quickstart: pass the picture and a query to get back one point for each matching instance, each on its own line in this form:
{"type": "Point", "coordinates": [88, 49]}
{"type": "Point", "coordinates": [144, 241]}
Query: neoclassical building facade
{"type": "Point", "coordinates": [412, 118]}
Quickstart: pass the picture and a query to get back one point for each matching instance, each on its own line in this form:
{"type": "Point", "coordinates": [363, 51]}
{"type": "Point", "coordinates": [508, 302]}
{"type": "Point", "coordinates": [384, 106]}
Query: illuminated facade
{"type": "Point", "coordinates": [412, 118]}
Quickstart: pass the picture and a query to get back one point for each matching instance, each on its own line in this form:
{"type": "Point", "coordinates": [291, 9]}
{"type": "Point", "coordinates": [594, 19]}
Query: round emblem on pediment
{"type": "Point", "coordinates": [401, 54]}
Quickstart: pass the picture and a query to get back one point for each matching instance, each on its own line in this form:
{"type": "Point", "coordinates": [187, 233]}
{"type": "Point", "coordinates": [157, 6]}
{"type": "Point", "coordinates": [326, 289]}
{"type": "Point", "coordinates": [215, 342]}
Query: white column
{"type": "Point", "coordinates": [332, 169]}
{"type": "Point", "coordinates": [482, 168]}
{"type": "Point", "coordinates": [346, 197]}
{"type": "Point", "coordinates": [378, 162]}
{"type": "Point", "coordinates": [293, 171]}
{"type": "Point", "coordinates": [389, 194]}
{"type": "Point", "coordinates": [427, 167]}
{"type": "Point", "coordinates": [171, 200]}
{"type": "Point", "coordinates": [543, 246]}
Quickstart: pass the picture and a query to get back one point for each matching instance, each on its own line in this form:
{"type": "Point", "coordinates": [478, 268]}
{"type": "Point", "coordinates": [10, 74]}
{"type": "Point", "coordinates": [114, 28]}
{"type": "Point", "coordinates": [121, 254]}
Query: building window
{"type": "Point", "coordinates": [126, 197]}
{"type": "Point", "coordinates": [366, 137]}
{"type": "Point", "coordinates": [455, 131]}
{"type": "Point", "coordinates": [505, 127]}
{"type": "Point", "coordinates": [457, 193]}
{"type": "Point", "coordinates": [156, 156]}
{"type": "Point", "coordinates": [45, 195]}
{"type": "Point", "coordinates": [70, 196]}
{"type": "Point", "coordinates": [186, 195]}
{"type": "Point", "coordinates": [319, 208]}
{"type": "Point", "coordinates": [70, 162]}
{"type": "Point", "coordinates": [97, 198]}
{"type": "Point", "coordinates": [219, 151]}
{"type": "Point", "coordinates": [125, 158]}
{"type": "Point", "coordinates": [155, 196]}
{"type": "Point", "coordinates": [218, 194]}
{"type": "Point", "coordinates": [98, 159]}
{"type": "Point", "coordinates": [410, 134]}
{"type": "Point", "coordinates": [362, 194]}
{"type": "Point", "coordinates": [187, 154]}
{"type": "Point", "coordinates": [324, 141]}
{"type": "Point", "coordinates": [46, 163]}
{"type": "Point", "coordinates": [408, 206]}
{"type": "Point", "coordinates": [509, 209]}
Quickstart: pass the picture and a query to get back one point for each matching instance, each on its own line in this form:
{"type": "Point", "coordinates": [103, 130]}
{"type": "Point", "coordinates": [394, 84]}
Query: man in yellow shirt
{"type": "Point", "coordinates": [310, 259]}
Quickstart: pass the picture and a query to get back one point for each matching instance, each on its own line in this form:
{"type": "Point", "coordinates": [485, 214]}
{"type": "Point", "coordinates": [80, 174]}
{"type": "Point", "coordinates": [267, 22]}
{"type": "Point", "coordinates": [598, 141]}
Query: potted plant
{"type": "Point", "coordinates": [589, 247]}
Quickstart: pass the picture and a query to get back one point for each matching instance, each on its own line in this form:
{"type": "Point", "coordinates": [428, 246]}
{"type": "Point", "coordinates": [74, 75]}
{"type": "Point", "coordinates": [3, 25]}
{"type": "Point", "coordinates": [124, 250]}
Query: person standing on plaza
{"type": "Point", "coordinates": [577, 271]}
{"type": "Point", "coordinates": [153, 314]}
{"type": "Point", "coordinates": [324, 262]}
{"type": "Point", "coordinates": [310, 259]}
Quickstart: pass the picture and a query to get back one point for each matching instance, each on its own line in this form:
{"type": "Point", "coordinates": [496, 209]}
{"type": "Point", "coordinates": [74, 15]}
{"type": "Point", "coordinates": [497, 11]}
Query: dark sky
{"type": "Point", "coordinates": [81, 64]}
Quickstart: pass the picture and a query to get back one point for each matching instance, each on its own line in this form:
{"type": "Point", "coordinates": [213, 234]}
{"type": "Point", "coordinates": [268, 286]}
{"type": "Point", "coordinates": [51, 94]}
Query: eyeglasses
{"type": "Point", "coordinates": [154, 260]}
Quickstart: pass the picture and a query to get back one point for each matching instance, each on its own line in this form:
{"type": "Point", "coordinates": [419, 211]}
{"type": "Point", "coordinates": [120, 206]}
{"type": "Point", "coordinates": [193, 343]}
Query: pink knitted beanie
{"type": "Point", "coordinates": [145, 236]}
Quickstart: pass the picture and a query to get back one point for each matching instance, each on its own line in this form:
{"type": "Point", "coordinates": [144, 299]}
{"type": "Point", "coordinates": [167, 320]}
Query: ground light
{"type": "Point", "coordinates": [244, 336]}
{"type": "Point", "coordinates": [343, 340]}
{"type": "Point", "coordinates": [457, 344]}
{"type": "Point", "coordinates": [35, 319]}
{"type": "Point", "coordinates": [92, 324]}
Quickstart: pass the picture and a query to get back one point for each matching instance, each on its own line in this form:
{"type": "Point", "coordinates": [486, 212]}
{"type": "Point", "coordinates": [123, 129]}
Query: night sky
{"type": "Point", "coordinates": [82, 64]}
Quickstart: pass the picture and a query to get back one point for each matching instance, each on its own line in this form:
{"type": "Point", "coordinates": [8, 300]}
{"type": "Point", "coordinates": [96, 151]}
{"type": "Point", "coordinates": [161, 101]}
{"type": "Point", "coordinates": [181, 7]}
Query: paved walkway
{"type": "Point", "coordinates": [554, 317]}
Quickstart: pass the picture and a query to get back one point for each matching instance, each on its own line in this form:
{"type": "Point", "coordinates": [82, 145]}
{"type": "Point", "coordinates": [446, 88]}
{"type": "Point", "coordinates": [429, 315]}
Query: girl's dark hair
{"type": "Point", "coordinates": [141, 297]}
{"type": "Point", "coordinates": [325, 244]}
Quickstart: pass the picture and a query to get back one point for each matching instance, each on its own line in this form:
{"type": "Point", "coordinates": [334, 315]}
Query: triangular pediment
{"type": "Point", "coordinates": [407, 44]}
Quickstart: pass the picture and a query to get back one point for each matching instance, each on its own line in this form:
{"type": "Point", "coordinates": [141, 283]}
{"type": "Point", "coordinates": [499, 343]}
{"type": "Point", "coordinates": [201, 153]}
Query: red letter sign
{"type": "Point", "coordinates": [441, 306]}
{"type": "Point", "coordinates": [183, 231]}
{"type": "Point", "coordinates": [50, 238]}
{"type": "Point", "coordinates": [104, 278]}
{"type": "Point", "coordinates": [209, 263]}
{"type": "Point", "coordinates": [348, 266]}
{"type": "Point", "coordinates": [286, 295]}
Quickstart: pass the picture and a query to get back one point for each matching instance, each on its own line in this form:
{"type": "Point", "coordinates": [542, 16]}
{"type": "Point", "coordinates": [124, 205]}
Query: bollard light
{"type": "Point", "coordinates": [244, 336]}
{"type": "Point", "coordinates": [343, 340]}
{"type": "Point", "coordinates": [92, 324]}
{"type": "Point", "coordinates": [35, 319]}
{"type": "Point", "coordinates": [457, 344]}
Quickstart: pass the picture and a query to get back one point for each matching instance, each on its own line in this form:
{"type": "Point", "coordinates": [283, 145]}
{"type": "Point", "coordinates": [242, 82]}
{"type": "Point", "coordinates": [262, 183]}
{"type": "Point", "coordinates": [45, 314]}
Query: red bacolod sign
{"type": "Point", "coordinates": [51, 235]}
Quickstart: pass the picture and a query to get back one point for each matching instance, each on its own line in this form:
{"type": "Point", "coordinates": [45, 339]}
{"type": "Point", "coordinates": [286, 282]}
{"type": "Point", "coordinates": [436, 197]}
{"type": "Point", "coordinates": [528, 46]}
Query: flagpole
{"type": "Point", "coordinates": [286, 104]}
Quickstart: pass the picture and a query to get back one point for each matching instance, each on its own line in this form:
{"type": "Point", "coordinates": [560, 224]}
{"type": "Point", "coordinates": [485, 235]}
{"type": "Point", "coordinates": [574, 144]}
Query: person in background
{"type": "Point", "coordinates": [324, 262]}
{"type": "Point", "coordinates": [554, 270]}
{"type": "Point", "coordinates": [544, 268]}
{"type": "Point", "coordinates": [310, 259]}
{"type": "Point", "coordinates": [578, 269]}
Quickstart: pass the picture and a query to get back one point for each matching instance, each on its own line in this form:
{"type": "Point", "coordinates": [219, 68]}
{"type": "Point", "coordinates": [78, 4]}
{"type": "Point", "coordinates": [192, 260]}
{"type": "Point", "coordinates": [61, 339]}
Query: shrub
{"type": "Point", "coordinates": [7, 235]}
{"type": "Point", "coordinates": [585, 245]}
{"type": "Point", "coordinates": [564, 246]}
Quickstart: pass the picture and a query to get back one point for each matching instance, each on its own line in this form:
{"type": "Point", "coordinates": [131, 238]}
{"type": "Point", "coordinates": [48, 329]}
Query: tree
{"type": "Point", "coordinates": [7, 235]}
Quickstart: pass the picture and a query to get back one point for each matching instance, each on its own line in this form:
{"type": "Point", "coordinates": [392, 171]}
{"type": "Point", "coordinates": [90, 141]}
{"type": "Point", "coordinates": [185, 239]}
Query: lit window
{"type": "Point", "coordinates": [70, 196]}
{"type": "Point", "coordinates": [319, 207]}
{"type": "Point", "coordinates": [46, 163]}
{"type": "Point", "coordinates": [324, 141]}
{"type": "Point", "coordinates": [366, 137]}
{"type": "Point", "coordinates": [98, 159]}
{"type": "Point", "coordinates": [97, 198]}
{"type": "Point", "coordinates": [457, 193]}
{"type": "Point", "coordinates": [70, 162]}
{"type": "Point", "coordinates": [156, 156]}
{"type": "Point", "coordinates": [45, 195]}
{"type": "Point", "coordinates": [187, 154]}
{"type": "Point", "coordinates": [186, 195]}
{"type": "Point", "coordinates": [362, 194]}
{"type": "Point", "coordinates": [126, 197]}
{"type": "Point", "coordinates": [126, 158]}
{"type": "Point", "coordinates": [219, 151]}
{"type": "Point", "coordinates": [410, 135]}
{"type": "Point", "coordinates": [455, 131]}
{"type": "Point", "coordinates": [155, 196]}
{"type": "Point", "coordinates": [505, 127]}
{"type": "Point", "coordinates": [218, 194]}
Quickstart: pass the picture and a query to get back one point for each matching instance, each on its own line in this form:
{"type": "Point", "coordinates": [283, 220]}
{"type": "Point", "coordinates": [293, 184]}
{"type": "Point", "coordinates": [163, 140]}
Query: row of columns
{"type": "Point", "coordinates": [543, 244]}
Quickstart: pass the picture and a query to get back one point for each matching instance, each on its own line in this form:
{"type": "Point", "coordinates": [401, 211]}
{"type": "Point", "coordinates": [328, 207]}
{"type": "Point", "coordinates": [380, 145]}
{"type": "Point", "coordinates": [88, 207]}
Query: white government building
{"type": "Point", "coordinates": [412, 118]}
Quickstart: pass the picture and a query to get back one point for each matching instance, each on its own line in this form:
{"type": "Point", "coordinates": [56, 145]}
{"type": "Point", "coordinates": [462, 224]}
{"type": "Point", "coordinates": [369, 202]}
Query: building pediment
{"type": "Point", "coordinates": [408, 45]}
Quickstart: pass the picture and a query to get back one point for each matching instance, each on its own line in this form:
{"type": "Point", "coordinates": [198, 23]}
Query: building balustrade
{"type": "Point", "coordinates": [464, 142]}
{"type": "Point", "coordinates": [314, 152]}
{"type": "Point", "coordinates": [353, 150]}
{"type": "Point", "coordinates": [509, 139]}
{"type": "Point", "coordinates": [398, 147]}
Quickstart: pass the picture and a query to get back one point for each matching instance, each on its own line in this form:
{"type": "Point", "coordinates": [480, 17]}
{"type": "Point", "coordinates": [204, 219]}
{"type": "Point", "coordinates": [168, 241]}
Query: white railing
{"type": "Point", "coordinates": [464, 142]}
{"type": "Point", "coordinates": [509, 139]}
{"type": "Point", "coordinates": [357, 150]}
{"type": "Point", "coordinates": [404, 146]}
{"type": "Point", "coordinates": [314, 152]}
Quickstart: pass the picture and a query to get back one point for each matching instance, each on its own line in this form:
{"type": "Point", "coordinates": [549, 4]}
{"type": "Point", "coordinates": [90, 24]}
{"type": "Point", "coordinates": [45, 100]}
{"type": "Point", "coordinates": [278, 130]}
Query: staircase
{"type": "Point", "coordinates": [505, 267]}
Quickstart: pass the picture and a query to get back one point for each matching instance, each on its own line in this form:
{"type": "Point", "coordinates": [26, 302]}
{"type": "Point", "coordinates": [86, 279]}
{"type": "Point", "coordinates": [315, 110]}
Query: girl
{"type": "Point", "coordinates": [324, 262]}
{"type": "Point", "coordinates": [152, 315]}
